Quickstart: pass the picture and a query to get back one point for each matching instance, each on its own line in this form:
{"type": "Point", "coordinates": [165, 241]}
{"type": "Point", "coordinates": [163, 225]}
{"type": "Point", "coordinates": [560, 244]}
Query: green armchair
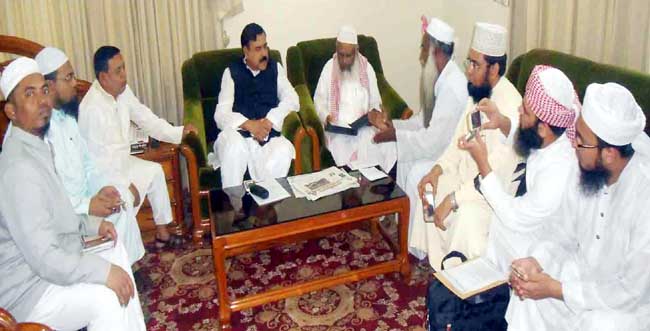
{"type": "Point", "coordinates": [201, 85]}
{"type": "Point", "coordinates": [305, 62]}
{"type": "Point", "coordinates": [582, 72]}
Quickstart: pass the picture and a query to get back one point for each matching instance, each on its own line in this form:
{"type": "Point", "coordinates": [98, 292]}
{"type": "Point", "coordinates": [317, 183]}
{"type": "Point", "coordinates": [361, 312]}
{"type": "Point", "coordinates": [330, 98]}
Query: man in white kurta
{"type": "Point", "coordinates": [346, 91]}
{"type": "Point", "coordinates": [419, 147]}
{"type": "Point", "coordinates": [46, 277]}
{"type": "Point", "coordinates": [452, 178]}
{"type": "Point", "coordinates": [105, 116]}
{"type": "Point", "coordinates": [544, 135]}
{"type": "Point", "coordinates": [599, 279]}
{"type": "Point", "coordinates": [87, 188]}
{"type": "Point", "coordinates": [254, 99]}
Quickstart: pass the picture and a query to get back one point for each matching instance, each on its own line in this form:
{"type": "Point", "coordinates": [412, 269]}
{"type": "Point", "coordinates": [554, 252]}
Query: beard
{"type": "Point", "coordinates": [591, 181]}
{"type": "Point", "coordinates": [479, 92]}
{"type": "Point", "coordinates": [527, 140]}
{"type": "Point", "coordinates": [428, 78]}
{"type": "Point", "coordinates": [42, 131]}
{"type": "Point", "coordinates": [71, 107]}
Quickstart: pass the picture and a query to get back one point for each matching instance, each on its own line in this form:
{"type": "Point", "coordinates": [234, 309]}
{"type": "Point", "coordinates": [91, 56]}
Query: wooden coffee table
{"type": "Point", "coordinates": [240, 226]}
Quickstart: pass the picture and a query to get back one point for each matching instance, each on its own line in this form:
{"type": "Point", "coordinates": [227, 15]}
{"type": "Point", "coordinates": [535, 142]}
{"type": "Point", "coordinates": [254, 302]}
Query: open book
{"type": "Point", "coordinates": [472, 277]}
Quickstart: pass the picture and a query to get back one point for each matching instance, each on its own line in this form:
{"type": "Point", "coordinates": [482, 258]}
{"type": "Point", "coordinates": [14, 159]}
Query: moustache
{"type": "Point", "coordinates": [263, 59]}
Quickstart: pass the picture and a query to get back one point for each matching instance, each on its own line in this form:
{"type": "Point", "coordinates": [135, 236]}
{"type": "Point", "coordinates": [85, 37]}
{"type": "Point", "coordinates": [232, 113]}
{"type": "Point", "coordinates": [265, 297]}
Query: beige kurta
{"type": "Point", "coordinates": [467, 228]}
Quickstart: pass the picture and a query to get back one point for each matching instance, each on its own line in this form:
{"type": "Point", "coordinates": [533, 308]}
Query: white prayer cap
{"type": "Point", "coordinates": [15, 72]}
{"type": "Point", "coordinates": [347, 35]}
{"type": "Point", "coordinates": [489, 39]}
{"type": "Point", "coordinates": [441, 31]}
{"type": "Point", "coordinates": [50, 59]}
{"type": "Point", "coordinates": [612, 114]}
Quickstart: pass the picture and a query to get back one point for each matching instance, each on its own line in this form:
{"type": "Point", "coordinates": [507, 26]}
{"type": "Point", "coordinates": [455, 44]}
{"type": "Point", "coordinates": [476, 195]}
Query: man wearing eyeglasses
{"type": "Point", "coordinates": [89, 191]}
{"type": "Point", "coordinates": [461, 215]}
{"type": "Point", "coordinates": [599, 279]}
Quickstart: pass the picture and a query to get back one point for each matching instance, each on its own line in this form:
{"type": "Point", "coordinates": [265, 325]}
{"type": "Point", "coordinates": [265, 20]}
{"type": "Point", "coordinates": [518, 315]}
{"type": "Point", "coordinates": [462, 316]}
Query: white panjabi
{"type": "Point", "coordinates": [50, 59]}
{"type": "Point", "coordinates": [489, 39]}
{"type": "Point", "coordinates": [15, 72]}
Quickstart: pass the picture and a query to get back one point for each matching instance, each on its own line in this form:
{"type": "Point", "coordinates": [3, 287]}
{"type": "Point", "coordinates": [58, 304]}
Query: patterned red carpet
{"type": "Point", "coordinates": [182, 294]}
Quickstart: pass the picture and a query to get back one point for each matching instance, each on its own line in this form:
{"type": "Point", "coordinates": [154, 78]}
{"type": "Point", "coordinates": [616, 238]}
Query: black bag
{"type": "Point", "coordinates": [483, 311]}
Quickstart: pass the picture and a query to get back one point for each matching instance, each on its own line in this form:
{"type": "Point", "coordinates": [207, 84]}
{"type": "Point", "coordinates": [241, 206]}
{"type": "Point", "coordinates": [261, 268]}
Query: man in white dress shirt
{"type": "Point", "coordinates": [461, 214]}
{"type": "Point", "coordinates": [599, 279]}
{"type": "Point", "coordinates": [255, 98]}
{"type": "Point", "coordinates": [346, 91]}
{"type": "Point", "coordinates": [544, 137]}
{"type": "Point", "coordinates": [418, 147]}
{"type": "Point", "coordinates": [105, 116]}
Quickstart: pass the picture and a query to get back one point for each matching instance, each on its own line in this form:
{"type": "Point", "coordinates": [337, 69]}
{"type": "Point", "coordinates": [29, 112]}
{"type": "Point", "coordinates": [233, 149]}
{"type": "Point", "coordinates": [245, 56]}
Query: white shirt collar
{"type": "Point", "coordinates": [254, 72]}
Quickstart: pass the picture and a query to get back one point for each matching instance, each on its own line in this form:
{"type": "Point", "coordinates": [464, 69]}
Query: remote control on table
{"type": "Point", "coordinates": [259, 191]}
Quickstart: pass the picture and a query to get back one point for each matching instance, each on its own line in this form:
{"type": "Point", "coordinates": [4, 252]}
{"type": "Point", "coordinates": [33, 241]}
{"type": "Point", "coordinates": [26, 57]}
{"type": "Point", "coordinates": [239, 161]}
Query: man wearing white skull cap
{"type": "Point", "coordinates": [462, 215]}
{"type": "Point", "coordinates": [347, 91]}
{"type": "Point", "coordinates": [418, 147]}
{"type": "Point", "coordinates": [88, 189]}
{"type": "Point", "coordinates": [46, 277]}
{"type": "Point", "coordinates": [598, 279]}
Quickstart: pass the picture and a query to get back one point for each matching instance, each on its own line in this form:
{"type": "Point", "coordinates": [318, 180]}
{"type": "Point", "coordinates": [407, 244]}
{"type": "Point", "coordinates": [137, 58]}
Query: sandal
{"type": "Point", "coordinates": [174, 241]}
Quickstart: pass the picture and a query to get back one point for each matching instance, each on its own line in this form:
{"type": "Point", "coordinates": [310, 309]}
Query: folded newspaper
{"type": "Point", "coordinates": [320, 184]}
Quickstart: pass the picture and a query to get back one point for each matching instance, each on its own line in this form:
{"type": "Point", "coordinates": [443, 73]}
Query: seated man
{"type": "Point", "coordinates": [46, 278]}
{"type": "Point", "coordinates": [347, 90]}
{"type": "Point", "coordinates": [544, 137]}
{"type": "Point", "coordinates": [255, 98]}
{"type": "Point", "coordinates": [105, 116]}
{"type": "Point", "coordinates": [418, 147]}
{"type": "Point", "coordinates": [86, 186]}
{"type": "Point", "coordinates": [599, 279]}
{"type": "Point", "coordinates": [452, 178]}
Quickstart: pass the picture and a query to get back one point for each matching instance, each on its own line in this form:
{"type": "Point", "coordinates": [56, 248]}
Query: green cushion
{"type": "Point", "coordinates": [582, 72]}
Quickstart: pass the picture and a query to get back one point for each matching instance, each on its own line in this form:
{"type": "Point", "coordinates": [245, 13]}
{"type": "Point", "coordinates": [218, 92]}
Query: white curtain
{"type": "Point", "coordinates": [155, 38]}
{"type": "Point", "coordinates": [609, 31]}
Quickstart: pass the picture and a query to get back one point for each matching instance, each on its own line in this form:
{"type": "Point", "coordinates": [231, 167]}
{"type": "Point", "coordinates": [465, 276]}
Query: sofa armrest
{"type": "Point", "coordinates": [292, 130]}
{"type": "Point", "coordinates": [295, 66]}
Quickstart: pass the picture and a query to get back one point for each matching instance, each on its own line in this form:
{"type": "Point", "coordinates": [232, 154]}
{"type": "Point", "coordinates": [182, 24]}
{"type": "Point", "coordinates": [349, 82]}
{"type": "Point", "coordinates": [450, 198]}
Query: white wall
{"type": "Point", "coordinates": [394, 24]}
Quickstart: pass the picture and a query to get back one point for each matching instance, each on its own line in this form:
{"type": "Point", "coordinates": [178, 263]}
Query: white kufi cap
{"type": "Point", "coordinates": [15, 72]}
{"type": "Point", "coordinates": [347, 35]}
{"type": "Point", "coordinates": [50, 59]}
{"type": "Point", "coordinates": [489, 39]}
{"type": "Point", "coordinates": [441, 31]}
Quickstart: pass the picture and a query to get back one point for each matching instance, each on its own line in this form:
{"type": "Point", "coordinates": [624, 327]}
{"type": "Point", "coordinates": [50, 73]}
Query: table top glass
{"type": "Point", "coordinates": [234, 210]}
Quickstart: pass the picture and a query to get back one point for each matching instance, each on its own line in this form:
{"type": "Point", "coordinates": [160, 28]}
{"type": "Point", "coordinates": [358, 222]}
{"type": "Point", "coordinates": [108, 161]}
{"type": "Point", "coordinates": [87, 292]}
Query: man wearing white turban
{"type": "Point", "coordinates": [89, 191]}
{"type": "Point", "coordinates": [597, 280]}
{"type": "Point", "coordinates": [544, 138]}
{"type": "Point", "coordinates": [452, 178]}
{"type": "Point", "coordinates": [347, 91]}
{"type": "Point", "coordinates": [46, 277]}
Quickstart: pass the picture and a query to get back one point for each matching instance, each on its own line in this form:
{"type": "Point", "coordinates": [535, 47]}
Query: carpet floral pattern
{"type": "Point", "coordinates": [183, 293]}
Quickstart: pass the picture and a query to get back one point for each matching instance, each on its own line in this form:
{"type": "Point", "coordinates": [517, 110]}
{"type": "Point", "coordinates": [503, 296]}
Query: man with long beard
{"type": "Point", "coordinates": [347, 91]}
{"type": "Point", "coordinates": [544, 137]}
{"type": "Point", "coordinates": [452, 178]}
{"type": "Point", "coordinates": [89, 191]}
{"type": "Point", "coordinates": [599, 279]}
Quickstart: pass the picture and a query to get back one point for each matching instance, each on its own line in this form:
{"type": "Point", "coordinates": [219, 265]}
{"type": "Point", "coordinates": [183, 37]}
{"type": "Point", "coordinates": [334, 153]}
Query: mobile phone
{"type": "Point", "coordinates": [428, 210]}
{"type": "Point", "coordinates": [470, 135]}
{"type": "Point", "coordinates": [475, 119]}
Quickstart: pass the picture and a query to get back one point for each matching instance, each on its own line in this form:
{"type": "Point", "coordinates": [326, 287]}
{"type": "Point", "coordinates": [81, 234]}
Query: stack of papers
{"type": "Point", "coordinates": [372, 173]}
{"type": "Point", "coordinates": [276, 191]}
{"type": "Point", "coordinates": [316, 185]}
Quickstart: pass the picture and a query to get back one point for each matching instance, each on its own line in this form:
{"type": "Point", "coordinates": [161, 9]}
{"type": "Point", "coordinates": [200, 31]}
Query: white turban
{"type": "Point", "coordinates": [489, 39]}
{"type": "Point", "coordinates": [347, 35]}
{"type": "Point", "coordinates": [441, 31]}
{"type": "Point", "coordinates": [15, 72]}
{"type": "Point", "coordinates": [50, 59]}
{"type": "Point", "coordinates": [612, 114]}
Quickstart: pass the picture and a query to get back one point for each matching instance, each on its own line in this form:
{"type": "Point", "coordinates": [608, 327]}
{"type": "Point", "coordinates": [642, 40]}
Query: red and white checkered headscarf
{"type": "Point", "coordinates": [335, 82]}
{"type": "Point", "coordinates": [551, 95]}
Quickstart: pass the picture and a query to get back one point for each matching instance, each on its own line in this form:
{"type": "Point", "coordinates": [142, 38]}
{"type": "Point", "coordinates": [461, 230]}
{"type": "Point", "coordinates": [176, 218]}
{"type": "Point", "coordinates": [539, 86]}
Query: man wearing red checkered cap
{"type": "Point", "coordinates": [543, 137]}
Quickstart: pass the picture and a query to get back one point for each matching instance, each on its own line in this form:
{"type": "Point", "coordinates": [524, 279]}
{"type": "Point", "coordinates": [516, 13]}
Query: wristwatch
{"type": "Point", "coordinates": [454, 204]}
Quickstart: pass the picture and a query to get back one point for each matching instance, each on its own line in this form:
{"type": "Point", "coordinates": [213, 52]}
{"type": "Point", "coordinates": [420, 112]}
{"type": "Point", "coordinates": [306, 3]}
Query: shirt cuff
{"type": "Point", "coordinates": [573, 295]}
{"type": "Point", "coordinates": [489, 185]}
{"type": "Point", "coordinates": [276, 117]}
{"type": "Point", "coordinates": [83, 207]}
{"type": "Point", "coordinates": [237, 121]}
{"type": "Point", "coordinates": [95, 268]}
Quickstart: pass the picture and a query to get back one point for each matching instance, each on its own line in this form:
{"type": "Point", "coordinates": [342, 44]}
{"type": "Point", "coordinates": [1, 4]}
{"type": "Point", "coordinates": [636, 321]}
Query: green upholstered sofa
{"type": "Point", "coordinates": [201, 85]}
{"type": "Point", "coordinates": [582, 72]}
{"type": "Point", "coordinates": [305, 62]}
